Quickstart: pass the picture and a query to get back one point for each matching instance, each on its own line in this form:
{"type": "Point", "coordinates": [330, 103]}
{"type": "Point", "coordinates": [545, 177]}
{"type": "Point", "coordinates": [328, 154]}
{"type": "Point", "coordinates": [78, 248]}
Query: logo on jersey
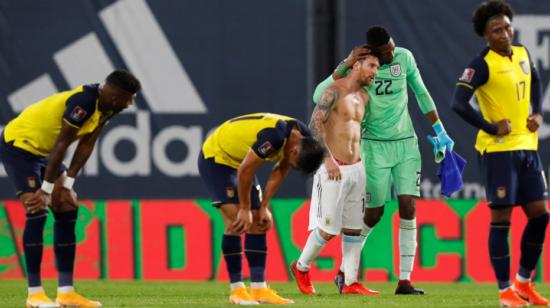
{"type": "Point", "coordinates": [524, 67]}
{"type": "Point", "coordinates": [501, 192]}
{"type": "Point", "coordinates": [395, 70]}
{"type": "Point", "coordinates": [230, 192]}
{"type": "Point", "coordinates": [266, 148]}
{"type": "Point", "coordinates": [467, 75]}
{"type": "Point", "coordinates": [31, 181]}
{"type": "Point", "coordinates": [78, 113]}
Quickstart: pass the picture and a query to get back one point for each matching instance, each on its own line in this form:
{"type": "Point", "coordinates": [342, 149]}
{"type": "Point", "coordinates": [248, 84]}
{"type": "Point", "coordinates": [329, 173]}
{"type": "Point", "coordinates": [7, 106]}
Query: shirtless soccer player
{"type": "Point", "coordinates": [337, 201]}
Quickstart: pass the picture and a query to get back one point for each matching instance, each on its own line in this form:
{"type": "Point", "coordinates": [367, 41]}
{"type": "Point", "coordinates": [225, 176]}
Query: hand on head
{"type": "Point", "coordinates": [356, 54]}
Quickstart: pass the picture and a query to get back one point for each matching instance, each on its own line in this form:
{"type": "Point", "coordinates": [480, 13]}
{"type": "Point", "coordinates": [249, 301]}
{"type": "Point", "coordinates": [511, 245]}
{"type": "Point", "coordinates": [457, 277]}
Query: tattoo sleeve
{"type": "Point", "coordinates": [321, 113]}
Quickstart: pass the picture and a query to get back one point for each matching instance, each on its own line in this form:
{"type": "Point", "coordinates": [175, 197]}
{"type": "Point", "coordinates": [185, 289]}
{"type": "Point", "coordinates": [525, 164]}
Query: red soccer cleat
{"type": "Point", "coordinates": [527, 292]}
{"type": "Point", "coordinates": [303, 280]}
{"type": "Point", "coordinates": [509, 298]}
{"type": "Point", "coordinates": [358, 288]}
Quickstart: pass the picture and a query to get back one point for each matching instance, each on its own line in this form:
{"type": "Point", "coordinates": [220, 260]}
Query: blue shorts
{"type": "Point", "coordinates": [24, 169]}
{"type": "Point", "coordinates": [513, 178]}
{"type": "Point", "coordinates": [221, 183]}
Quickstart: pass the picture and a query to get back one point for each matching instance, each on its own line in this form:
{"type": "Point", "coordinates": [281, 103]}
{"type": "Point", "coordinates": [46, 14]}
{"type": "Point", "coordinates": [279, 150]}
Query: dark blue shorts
{"type": "Point", "coordinates": [221, 183]}
{"type": "Point", "coordinates": [513, 178]}
{"type": "Point", "coordinates": [24, 169]}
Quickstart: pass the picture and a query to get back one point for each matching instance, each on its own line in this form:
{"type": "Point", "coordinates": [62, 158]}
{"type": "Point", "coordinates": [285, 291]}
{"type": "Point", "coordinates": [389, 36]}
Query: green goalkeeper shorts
{"type": "Point", "coordinates": [387, 161]}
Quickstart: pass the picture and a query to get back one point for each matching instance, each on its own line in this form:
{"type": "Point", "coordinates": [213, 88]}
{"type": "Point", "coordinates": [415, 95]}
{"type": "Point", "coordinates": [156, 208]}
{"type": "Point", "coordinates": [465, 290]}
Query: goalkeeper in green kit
{"type": "Point", "coordinates": [389, 146]}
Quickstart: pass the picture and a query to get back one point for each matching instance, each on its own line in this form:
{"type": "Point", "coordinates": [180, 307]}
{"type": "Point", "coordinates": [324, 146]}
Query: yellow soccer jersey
{"type": "Point", "coordinates": [264, 133]}
{"type": "Point", "coordinates": [37, 127]}
{"type": "Point", "coordinates": [503, 90]}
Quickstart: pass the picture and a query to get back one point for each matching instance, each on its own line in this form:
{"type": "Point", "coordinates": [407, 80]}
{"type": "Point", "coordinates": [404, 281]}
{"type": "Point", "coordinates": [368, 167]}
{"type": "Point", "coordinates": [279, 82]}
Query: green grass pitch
{"type": "Point", "coordinates": [215, 294]}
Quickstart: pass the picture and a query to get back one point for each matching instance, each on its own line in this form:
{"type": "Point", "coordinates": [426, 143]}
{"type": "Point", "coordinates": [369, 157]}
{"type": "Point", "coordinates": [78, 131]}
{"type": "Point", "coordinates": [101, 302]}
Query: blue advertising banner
{"type": "Point", "coordinates": [202, 62]}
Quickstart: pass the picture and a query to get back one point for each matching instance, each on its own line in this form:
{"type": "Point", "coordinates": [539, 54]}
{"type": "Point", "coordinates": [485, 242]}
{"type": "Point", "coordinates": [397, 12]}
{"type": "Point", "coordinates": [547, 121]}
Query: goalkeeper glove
{"type": "Point", "coordinates": [439, 149]}
{"type": "Point", "coordinates": [442, 135]}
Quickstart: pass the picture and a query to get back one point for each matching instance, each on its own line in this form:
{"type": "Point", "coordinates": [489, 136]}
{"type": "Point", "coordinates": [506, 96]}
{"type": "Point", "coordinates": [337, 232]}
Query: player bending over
{"type": "Point", "coordinates": [32, 148]}
{"type": "Point", "coordinates": [228, 163]}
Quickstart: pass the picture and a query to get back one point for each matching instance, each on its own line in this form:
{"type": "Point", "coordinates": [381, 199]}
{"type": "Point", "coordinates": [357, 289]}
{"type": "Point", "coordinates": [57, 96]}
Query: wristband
{"type": "Point", "coordinates": [68, 183]}
{"type": "Point", "coordinates": [341, 68]}
{"type": "Point", "coordinates": [438, 127]}
{"type": "Point", "coordinates": [47, 187]}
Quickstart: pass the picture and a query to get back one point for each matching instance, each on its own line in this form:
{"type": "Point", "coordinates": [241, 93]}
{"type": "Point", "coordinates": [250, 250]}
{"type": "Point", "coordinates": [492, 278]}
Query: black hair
{"type": "Point", "coordinates": [124, 80]}
{"type": "Point", "coordinates": [488, 10]}
{"type": "Point", "coordinates": [311, 156]}
{"type": "Point", "coordinates": [377, 36]}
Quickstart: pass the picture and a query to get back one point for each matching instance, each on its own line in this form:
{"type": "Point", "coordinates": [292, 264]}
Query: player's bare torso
{"type": "Point", "coordinates": [343, 128]}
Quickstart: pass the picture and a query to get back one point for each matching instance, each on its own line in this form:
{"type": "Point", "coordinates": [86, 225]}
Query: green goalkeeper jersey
{"type": "Point", "coordinates": [387, 116]}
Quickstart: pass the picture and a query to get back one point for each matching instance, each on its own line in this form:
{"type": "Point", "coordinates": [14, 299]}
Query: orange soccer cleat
{"type": "Point", "coordinates": [527, 292]}
{"type": "Point", "coordinates": [269, 296]}
{"type": "Point", "coordinates": [40, 300]}
{"type": "Point", "coordinates": [240, 296]}
{"type": "Point", "coordinates": [509, 298]}
{"type": "Point", "coordinates": [73, 299]}
{"type": "Point", "coordinates": [358, 288]}
{"type": "Point", "coordinates": [303, 280]}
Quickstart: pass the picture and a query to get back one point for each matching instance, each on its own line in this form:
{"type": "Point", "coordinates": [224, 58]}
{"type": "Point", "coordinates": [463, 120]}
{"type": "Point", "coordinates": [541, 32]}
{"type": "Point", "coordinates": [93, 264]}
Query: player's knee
{"type": "Point", "coordinates": [407, 210]}
{"type": "Point", "coordinates": [373, 216]}
{"type": "Point", "coordinates": [255, 228]}
{"type": "Point", "coordinates": [229, 230]}
{"type": "Point", "coordinates": [326, 236]}
{"type": "Point", "coordinates": [61, 207]}
{"type": "Point", "coordinates": [62, 203]}
{"type": "Point", "coordinates": [351, 232]}
{"type": "Point", "coordinates": [408, 214]}
{"type": "Point", "coordinates": [371, 220]}
{"type": "Point", "coordinates": [501, 215]}
{"type": "Point", "coordinates": [406, 200]}
{"type": "Point", "coordinates": [535, 209]}
{"type": "Point", "coordinates": [24, 198]}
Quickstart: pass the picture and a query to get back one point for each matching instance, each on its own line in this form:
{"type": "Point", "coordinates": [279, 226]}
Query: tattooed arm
{"type": "Point", "coordinates": [319, 118]}
{"type": "Point", "coordinates": [322, 112]}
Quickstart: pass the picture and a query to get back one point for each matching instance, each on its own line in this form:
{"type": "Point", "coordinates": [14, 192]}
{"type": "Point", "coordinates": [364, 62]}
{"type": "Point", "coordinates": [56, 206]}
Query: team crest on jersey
{"type": "Point", "coordinates": [327, 221]}
{"type": "Point", "coordinates": [31, 181]}
{"type": "Point", "coordinates": [230, 192]}
{"type": "Point", "coordinates": [467, 75]}
{"type": "Point", "coordinates": [501, 192]}
{"type": "Point", "coordinates": [367, 197]}
{"type": "Point", "coordinates": [78, 113]}
{"type": "Point", "coordinates": [524, 67]}
{"type": "Point", "coordinates": [395, 70]}
{"type": "Point", "coordinates": [266, 148]}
